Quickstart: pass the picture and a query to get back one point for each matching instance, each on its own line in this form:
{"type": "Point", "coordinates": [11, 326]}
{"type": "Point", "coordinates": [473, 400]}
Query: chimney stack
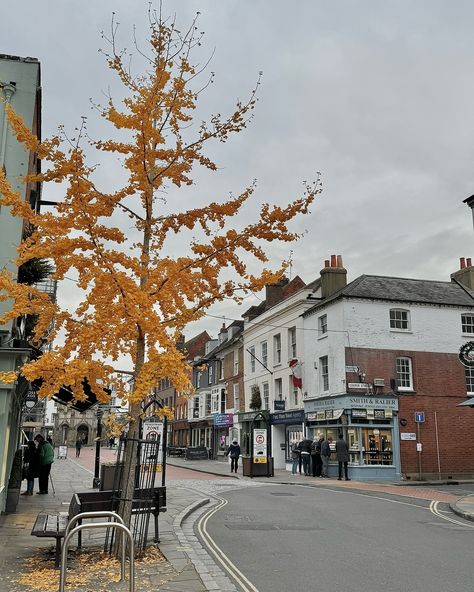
{"type": "Point", "coordinates": [274, 292]}
{"type": "Point", "coordinates": [465, 273]}
{"type": "Point", "coordinates": [333, 276]}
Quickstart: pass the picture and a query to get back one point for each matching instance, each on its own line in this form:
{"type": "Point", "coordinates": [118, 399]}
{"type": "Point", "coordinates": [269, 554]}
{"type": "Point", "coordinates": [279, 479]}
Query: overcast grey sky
{"type": "Point", "coordinates": [378, 96]}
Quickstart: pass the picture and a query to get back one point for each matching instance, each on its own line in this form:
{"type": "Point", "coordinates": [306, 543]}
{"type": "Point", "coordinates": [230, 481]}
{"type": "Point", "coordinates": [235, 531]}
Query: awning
{"type": "Point", "coordinates": [65, 396]}
{"type": "Point", "coordinates": [468, 403]}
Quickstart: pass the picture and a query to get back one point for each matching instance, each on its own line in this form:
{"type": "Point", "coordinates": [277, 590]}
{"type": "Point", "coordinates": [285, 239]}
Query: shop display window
{"type": "Point", "coordinates": [377, 446]}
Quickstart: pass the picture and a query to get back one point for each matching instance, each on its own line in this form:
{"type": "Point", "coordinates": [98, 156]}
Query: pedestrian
{"type": "Point", "coordinates": [305, 450]}
{"type": "Point", "coordinates": [316, 463]}
{"type": "Point", "coordinates": [342, 455]}
{"type": "Point", "coordinates": [30, 467]}
{"type": "Point", "coordinates": [295, 457]}
{"type": "Point", "coordinates": [111, 442]}
{"type": "Point", "coordinates": [78, 446]}
{"type": "Point", "coordinates": [325, 456]}
{"type": "Point", "coordinates": [46, 459]}
{"type": "Point", "coordinates": [234, 452]}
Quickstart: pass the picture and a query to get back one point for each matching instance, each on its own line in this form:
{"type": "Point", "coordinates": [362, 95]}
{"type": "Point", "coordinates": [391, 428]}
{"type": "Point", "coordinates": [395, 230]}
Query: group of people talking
{"type": "Point", "coordinates": [313, 456]}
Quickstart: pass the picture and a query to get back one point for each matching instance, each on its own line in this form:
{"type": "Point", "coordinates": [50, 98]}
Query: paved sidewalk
{"type": "Point", "coordinates": [173, 574]}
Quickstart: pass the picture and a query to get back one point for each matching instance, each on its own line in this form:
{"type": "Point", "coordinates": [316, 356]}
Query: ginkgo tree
{"type": "Point", "coordinates": [137, 297]}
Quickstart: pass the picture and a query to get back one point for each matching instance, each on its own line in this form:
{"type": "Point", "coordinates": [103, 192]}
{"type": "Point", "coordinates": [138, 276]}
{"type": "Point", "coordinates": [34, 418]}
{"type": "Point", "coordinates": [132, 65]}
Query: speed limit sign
{"type": "Point", "coordinates": [259, 446]}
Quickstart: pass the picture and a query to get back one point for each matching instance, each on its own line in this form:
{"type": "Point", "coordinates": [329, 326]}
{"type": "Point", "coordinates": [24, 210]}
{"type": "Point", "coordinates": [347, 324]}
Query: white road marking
{"type": "Point", "coordinates": [434, 510]}
{"type": "Point", "coordinates": [221, 557]}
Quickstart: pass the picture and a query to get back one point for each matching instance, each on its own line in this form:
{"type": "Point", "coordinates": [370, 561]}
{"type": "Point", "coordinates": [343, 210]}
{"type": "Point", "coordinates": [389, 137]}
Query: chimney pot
{"type": "Point", "coordinates": [339, 261]}
{"type": "Point", "coordinates": [333, 261]}
{"type": "Point", "coordinates": [326, 263]}
{"type": "Point", "coordinates": [462, 262]}
{"type": "Point", "coordinates": [468, 262]}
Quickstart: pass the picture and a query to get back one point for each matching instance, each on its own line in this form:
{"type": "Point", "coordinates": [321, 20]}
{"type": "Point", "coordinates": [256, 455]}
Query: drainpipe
{"type": "Point", "coordinates": [8, 89]}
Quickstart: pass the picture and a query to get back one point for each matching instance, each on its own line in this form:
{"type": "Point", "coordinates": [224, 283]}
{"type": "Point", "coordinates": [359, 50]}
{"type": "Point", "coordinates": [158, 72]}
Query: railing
{"type": "Point", "coordinates": [118, 524]}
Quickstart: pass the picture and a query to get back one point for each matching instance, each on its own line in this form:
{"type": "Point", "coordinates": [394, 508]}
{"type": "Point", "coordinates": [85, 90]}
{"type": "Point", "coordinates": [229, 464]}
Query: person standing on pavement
{"type": "Point", "coordinates": [316, 463]}
{"type": "Point", "coordinates": [78, 446]}
{"type": "Point", "coordinates": [325, 456]}
{"type": "Point", "coordinates": [295, 457]}
{"type": "Point", "coordinates": [342, 455]}
{"type": "Point", "coordinates": [234, 452]}
{"type": "Point", "coordinates": [305, 450]}
{"type": "Point", "coordinates": [46, 459]}
{"type": "Point", "coordinates": [31, 464]}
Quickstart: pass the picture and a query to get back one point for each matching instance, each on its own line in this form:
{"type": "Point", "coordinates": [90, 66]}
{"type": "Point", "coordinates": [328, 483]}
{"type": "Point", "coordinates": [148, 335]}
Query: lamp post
{"type": "Point", "coordinates": [96, 480]}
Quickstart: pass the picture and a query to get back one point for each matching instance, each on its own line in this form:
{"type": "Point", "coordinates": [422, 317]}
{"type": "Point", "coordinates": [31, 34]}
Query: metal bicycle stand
{"type": "Point", "coordinates": [125, 531]}
{"type": "Point", "coordinates": [101, 514]}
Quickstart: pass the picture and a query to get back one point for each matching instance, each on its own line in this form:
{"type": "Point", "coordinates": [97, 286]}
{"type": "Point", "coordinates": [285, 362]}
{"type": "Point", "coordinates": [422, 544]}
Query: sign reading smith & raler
{"type": "Point", "coordinates": [351, 402]}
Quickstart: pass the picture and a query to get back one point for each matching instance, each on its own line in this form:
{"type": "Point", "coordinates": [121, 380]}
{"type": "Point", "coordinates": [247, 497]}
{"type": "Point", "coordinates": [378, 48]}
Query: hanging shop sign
{"type": "Point", "coordinates": [260, 446]}
{"type": "Point", "coordinates": [279, 405]}
{"type": "Point", "coordinates": [223, 420]}
{"type": "Point", "coordinates": [466, 354]}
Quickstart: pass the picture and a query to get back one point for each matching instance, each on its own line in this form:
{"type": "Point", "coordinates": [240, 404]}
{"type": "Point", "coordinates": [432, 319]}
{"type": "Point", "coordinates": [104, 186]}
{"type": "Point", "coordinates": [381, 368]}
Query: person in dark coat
{"type": "Point", "coordinates": [78, 446]}
{"type": "Point", "coordinates": [31, 464]}
{"type": "Point", "coordinates": [325, 456]}
{"type": "Point", "coordinates": [234, 452]}
{"type": "Point", "coordinates": [305, 450]}
{"type": "Point", "coordinates": [316, 462]}
{"type": "Point", "coordinates": [46, 459]}
{"type": "Point", "coordinates": [342, 455]}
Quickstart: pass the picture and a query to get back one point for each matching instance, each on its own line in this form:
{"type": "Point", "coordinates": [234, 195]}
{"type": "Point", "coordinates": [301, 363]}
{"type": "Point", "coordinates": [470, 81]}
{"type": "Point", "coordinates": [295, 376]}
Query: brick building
{"type": "Point", "coordinates": [380, 349]}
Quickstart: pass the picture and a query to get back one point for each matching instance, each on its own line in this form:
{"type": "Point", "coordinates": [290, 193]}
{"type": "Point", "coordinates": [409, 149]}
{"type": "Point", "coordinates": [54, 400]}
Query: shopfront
{"type": "Point", "coordinates": [201, 433]}
{"type": "Point", "coordinates": [369, 425]}
{"type": "Point", "coordinates": [223, 433]}
{"type": "Point", "coordinates": [286, 429]}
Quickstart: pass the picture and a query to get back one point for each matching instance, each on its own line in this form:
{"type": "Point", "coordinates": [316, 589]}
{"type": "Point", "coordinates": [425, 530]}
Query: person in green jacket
{"type": "Point", "coordinates": [46, 458]}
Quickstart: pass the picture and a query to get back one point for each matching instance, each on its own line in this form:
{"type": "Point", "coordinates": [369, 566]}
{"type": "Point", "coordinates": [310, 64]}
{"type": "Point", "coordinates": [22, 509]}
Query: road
{"type": "Point", "coordinates": [293, 538]}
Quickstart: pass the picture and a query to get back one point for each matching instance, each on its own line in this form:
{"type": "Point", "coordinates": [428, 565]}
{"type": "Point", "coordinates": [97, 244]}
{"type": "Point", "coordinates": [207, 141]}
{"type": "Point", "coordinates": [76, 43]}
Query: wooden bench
{"type": "Point", "coordinates": [176, 450]}
{"type": "Point", "coordinates": [54, 525]}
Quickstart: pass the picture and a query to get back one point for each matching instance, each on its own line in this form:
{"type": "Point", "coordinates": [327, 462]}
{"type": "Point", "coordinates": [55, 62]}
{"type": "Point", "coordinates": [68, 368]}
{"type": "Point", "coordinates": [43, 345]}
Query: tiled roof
{"type": "Point", "coordinates": [376, 287]}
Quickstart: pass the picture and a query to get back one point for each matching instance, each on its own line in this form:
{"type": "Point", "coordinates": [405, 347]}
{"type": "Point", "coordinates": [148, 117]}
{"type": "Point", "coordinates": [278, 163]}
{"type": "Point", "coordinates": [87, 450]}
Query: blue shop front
{"type": "Point", "coordinates": [369, 425]}
{"type": "Point", "coordinates": [286, 428]}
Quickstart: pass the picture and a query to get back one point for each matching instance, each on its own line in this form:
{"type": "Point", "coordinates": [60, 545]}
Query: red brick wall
{"type": "Point", "coordinates": [439, 383]}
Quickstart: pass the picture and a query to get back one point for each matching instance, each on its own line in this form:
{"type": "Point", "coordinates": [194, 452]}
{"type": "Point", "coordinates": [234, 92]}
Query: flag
{"type": "Point", "coordinates": [295, 367]}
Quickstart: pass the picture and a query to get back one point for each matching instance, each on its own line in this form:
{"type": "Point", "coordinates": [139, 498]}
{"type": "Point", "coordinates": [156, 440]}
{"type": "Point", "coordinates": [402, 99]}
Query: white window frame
{"type": "Point", "coordinates": [236, 362]}
{"type": "Point", "coordinates": [278, 389]}
{"type": "Point", "coordinates": [469, 371]}
{"type": "Point", "coordinates": [324, 373]}
{"type": "Point", "coordinates": [277, 349]}
{"type": "Point", "coordinates": [210, 373]}
{"type": "Point", "coordinates": [236, 395]}
{"type": "Point", "coordinates": [404, 367]}
{"type": "Point", "coordinates": [264, 351]}
{"type": "Point", "coordinates": [252, 358]}
{"type": "Point", "coordinates": [266, 395]}
{"type": "Point", "coordinates": [467, 324]}
{"type": "Point", "coordinates": [293, 390]}
{"type": "Point", "coordinates": [292, 343]}
{"type": "Point", "coordinates": [399, 317]}
{"type": "Point", "coordinates": [322, 325]}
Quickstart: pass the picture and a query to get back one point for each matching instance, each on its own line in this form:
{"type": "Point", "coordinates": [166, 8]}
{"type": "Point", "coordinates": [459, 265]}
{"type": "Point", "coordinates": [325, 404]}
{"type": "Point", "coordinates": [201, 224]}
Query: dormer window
{"type": "Point", "coordinates": [400, 319]}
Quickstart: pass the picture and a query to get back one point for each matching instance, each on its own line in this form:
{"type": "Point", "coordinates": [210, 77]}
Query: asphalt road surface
{"type": "Point", "coordinates": [292, 539]}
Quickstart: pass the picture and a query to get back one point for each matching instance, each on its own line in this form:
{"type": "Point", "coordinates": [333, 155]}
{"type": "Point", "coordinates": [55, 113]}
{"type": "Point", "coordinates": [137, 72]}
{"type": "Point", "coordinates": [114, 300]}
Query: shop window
{"type": "Point", "coordinates": [376, 446]}
{"type": "Point", "coordinates": [323, 325]}
{"type": "Point", "coordinates": [264, 351]}
{"type": "Point", "coordinates": [324, 373]}
{"type": "Point", "coordinates": [252, 358]}
{"type": "Point", "coordinates": [266, 396]}
{"type": "Point", "coordinates": [399, 319]}
{"type": "Point", "coordinates": [277, 349]}
{"type": "Point", "coordinates": [469, 380]}
{"type": "Point", "coordinates": [292, 343]}
{"type": "Point", "coordinates": [467, 323]}
{"type": "Point", "coordinates": [404, 374]}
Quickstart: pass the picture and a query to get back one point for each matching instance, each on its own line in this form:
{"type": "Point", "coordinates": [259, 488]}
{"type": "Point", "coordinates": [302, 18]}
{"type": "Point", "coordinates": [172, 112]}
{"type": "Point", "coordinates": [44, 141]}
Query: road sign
{"type": "Point", "coordinates": [259, 446]}
{"type": "Point", "coordinates": [419, 416]}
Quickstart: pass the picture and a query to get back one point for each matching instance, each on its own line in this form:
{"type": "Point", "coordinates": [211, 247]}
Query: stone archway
{"type": "Point", "coordinates": [83, 432]}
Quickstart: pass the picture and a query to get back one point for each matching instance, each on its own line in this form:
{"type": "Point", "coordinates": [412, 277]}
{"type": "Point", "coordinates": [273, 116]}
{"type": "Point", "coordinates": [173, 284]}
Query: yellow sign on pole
{"type": "Point", "coordinates": [260, 460]}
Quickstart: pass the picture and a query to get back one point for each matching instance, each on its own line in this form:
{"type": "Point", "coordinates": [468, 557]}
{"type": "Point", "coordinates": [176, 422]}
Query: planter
{"type": "Point", "coordinates": [251, 469]}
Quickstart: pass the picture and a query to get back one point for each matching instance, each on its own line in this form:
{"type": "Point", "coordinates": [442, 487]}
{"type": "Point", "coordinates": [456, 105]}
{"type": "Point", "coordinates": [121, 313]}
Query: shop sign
{"type": "Point", "coordinates": [352, 401]}
{"type": "Point", "coordinates": [379, 413]}
{"type": "Point", "coordinates": [311, 416]}
{"type": "Point", "coordinates": [321, 415]}
{"type": "Point", "coordinates": [357, 385]}
{"type": "Point", "coordinates": [287, 417]}
{"type": "Point", "coordinates": [223, 420]}
{"type": "Point", "coordinates": [407, 436]}
{"type": "Point", "coordinates": [362, 413]}
{"type": "Point", "coordinates": [370, 413]}
{"type": "Point", "coordinates": [279, 405]}
{"type": "Point", "coordinates": [250, 415]}
{"type": "Point", "coordinates": [329, 414]}
{"type": "Point", "coordinates": [388, 413]}
{"type": "Point", "coordinates": [259, 445]}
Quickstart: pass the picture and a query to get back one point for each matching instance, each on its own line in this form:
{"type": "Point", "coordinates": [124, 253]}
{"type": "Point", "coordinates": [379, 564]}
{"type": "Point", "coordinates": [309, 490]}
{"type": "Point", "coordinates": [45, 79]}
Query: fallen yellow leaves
{"type": "Point", "coordinates": [87, 568]}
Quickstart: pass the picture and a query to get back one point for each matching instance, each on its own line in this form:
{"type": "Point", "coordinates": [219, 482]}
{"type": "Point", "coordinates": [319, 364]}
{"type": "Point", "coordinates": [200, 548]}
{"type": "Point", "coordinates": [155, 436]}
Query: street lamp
{"type": "Point", "coordinates": [96, 480]}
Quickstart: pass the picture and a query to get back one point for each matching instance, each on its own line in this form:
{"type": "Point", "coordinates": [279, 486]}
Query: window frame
{"type": "Point", "coordinates": [393, 321]}
{"type": "Point", "coordinates": [324, 373]}
{"type": "Point", "coordinates": [264, 345]}
{"type": "Point", "coordinates": [410, 386]}
{"type": "Point", "coordinates": [469, 374]}
{"type": "Point", "coordinates": [252, 359]}
{"type": "Point", "coordinates": [266, 395]}
{"type": "Point", "coordinates": [469, 325]}
{"type": "Point", "coordinates": [277, 349]}
{"type": "Point", "coordinates": [279, 391]}
{"type": "Point", "coordinates": [236, 362]}
{"type": "Point", "coordinates": [292, 343]}
{"type": "Point", "coordinates": [323, 325]}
